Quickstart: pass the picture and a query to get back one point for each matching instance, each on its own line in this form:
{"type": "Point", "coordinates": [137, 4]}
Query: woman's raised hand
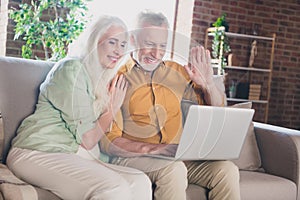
{"type": "Point", "coordinates": [117, 92]}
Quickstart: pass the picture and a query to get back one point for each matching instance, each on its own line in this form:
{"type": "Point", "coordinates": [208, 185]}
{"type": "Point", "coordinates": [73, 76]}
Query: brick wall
{"type": "Point", "coordinates": [280, 17]}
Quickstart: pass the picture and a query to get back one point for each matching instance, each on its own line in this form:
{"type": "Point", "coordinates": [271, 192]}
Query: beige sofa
{"type": "Point", "coordinates": [269, 162]}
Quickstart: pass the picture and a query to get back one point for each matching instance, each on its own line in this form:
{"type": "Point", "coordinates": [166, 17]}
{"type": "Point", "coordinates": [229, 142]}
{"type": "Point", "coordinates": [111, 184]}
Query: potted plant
{"type": "Point", "coordinates": [220, 43]}
{"type": "Point", "coordinates": [51, 25]}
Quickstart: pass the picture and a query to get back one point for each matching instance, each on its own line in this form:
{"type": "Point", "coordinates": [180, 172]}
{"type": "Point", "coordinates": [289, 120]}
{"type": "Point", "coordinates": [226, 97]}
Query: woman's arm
{"type": "Point", "coordinates": [117, 91]}
{"type": "Point", "coordinates": [92, 137]}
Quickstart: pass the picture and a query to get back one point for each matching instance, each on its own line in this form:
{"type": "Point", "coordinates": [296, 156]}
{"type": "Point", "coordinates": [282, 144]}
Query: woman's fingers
{"type": "Point", "coordinates": [118, 93]}
{"type": "Point", "coordinates": [118, 83]}
{"type": "Point", "coordinates": [121, 82]}
{"type": "Point", "coordinates": [115, 80]}
{"type": "Point", "coordinates": [113, 83]}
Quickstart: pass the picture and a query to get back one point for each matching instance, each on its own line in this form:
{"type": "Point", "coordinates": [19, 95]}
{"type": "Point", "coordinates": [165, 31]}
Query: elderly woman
{"type": "Point", "coordinates": [56, 147]}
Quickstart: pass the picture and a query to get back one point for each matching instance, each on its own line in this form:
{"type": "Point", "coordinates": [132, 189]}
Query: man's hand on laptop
{"type": "Point", "coordinates": [164, 149]}
{"type": "Point", "coordinates": [124, 147]}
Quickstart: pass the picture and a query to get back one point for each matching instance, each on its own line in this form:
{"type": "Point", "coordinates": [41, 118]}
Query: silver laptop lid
{"type": "Point", "coordinates": [213, 133]}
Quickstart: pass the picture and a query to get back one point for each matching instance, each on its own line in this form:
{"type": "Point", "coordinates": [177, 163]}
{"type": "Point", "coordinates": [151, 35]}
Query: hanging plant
{"type": "Point", "coordinates": [220, 43]}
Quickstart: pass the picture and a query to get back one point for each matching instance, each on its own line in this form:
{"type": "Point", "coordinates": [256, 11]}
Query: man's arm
{"type": "Point", "coordinates": [124, 147]}
{"type": "Point", "coordinates": [213, 95]}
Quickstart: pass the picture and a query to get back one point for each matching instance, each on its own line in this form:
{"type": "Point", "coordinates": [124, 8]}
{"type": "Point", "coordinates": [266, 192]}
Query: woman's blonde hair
{"type": "Point", "coordinates": [86, 49]}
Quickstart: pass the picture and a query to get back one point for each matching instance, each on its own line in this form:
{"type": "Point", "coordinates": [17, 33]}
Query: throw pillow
{"type": "Point", "coordinates": [249, 157]}
{"type": "Point", "coordinates": [219, 81]}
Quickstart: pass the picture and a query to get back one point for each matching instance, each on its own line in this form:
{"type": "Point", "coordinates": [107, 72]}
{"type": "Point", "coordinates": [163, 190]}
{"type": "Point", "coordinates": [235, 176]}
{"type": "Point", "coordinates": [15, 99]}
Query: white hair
{"type": "Point", "coordinates": [152, 18]}
{"type": "Point", "coordinates": [85, 48]}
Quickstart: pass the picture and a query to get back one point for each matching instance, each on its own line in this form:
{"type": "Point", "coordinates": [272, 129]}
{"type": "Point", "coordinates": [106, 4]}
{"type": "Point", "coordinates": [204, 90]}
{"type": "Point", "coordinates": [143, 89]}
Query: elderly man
{"type": "Point", "coordinates": [151, 119]}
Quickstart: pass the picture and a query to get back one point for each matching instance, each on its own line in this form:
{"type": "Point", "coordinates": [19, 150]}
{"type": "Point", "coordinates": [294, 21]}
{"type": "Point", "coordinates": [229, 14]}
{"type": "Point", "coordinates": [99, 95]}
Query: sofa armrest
{"type": "Point", "coordinates": [279, 150]}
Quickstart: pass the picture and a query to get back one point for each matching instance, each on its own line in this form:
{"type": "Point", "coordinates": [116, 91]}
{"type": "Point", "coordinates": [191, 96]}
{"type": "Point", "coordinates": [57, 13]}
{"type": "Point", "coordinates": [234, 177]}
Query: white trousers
{"type": "Point", "coordinates": [79, 176]}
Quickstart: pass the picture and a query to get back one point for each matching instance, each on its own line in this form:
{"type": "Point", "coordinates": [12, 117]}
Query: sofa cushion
{"type": "Point", "coordinates": [254, 186]}
{"type": "Point", "coordinates": [18, 100]}
{"type": "Point", "coordinates": [249, 157]}
{"type": "Point", "coordinates": [12, 188]}
{"type": "Point", "coordinates": [219, 81]}
{"type": "Point", "coordinates": [262, 186]}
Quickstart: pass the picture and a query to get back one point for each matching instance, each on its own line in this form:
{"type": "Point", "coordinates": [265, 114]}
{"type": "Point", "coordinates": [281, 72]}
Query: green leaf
{"type": "Point", "coordinates": [26, 51]}
{"type": "Point", "coordinates": [55, 33]}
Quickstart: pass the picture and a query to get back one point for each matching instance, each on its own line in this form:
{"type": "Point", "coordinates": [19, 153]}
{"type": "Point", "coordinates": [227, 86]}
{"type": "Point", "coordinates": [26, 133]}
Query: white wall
{"type": "Point", "coordinates": [127, 10]}
{"type": "Point", "coordinates": [182, 38]}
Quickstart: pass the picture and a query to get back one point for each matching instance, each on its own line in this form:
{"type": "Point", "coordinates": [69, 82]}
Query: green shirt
{"type": "Point", "coordinates": [64, 111]}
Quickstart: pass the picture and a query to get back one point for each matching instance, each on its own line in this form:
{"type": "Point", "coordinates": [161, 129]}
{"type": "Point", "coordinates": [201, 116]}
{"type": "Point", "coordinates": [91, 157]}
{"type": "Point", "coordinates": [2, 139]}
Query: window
{"type": "Point", "coordinates": [178, 43]}
{"type": "Point", "coordinates": [127, 10]}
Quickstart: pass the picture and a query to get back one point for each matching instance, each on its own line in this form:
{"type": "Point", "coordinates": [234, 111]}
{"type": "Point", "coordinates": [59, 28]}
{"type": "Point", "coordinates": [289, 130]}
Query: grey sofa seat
{"type": "Point", "coordinates": [279, 147]}
{"type": "Point", "coordinates": [254, 186]}
{"type": "Point", "coordinates": [257, 185]}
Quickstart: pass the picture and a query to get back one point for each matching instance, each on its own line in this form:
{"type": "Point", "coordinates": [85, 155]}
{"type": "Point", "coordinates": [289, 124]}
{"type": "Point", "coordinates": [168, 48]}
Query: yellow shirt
{"type": "Point", "coordinates": [151, 111]}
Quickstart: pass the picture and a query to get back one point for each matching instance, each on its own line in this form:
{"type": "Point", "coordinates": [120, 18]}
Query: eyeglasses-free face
{"type": "Point", "coordinates": [151, 43]}
{"type": "Point", "coordinates": [111, 46]}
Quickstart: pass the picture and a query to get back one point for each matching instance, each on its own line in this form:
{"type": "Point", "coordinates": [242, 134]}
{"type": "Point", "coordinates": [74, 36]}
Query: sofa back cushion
{"type": "Point", "coordinates": [19, 87]}
{"type": "Point", "coordinates": [249, 157]}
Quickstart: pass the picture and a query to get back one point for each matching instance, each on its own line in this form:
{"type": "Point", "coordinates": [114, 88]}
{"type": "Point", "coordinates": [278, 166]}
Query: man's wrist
{"type": "Point", "coordinates": [210, 86]}
{"type": "Point", "coordinates": [206, 87]}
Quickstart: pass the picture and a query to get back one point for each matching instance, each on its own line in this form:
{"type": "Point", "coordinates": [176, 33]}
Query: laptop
{"type": "Point", "coordinates": [212, 133]}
